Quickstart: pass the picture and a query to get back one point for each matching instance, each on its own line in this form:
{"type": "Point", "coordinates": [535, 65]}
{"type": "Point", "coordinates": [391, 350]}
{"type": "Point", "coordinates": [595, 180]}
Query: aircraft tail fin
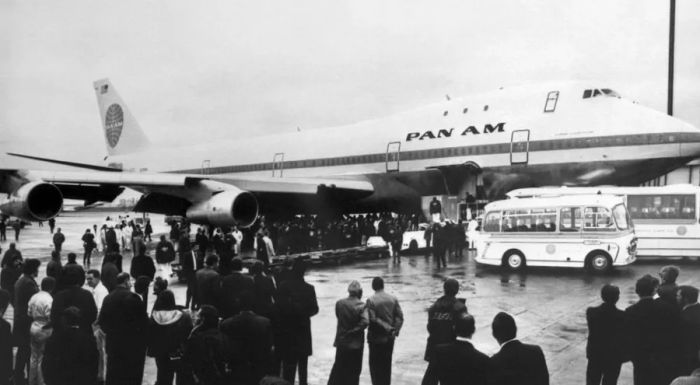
{"type": "Point", "coordinates": [123, 134]}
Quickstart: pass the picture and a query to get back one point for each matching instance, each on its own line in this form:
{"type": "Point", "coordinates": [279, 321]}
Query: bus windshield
{"type": "Point", "coordinates": [621, 217]}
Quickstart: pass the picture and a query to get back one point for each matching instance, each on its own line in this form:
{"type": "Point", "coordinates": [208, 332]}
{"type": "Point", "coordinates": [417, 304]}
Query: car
{"type": "Point", "coordinates": [415, 240]}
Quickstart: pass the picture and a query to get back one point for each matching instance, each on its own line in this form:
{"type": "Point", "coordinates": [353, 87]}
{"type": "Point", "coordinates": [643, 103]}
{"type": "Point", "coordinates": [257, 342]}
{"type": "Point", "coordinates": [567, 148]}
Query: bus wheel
{"type": "Point", "coordinates": [599, 262]}
{"type": "Point", "coordinates": [514, 260]}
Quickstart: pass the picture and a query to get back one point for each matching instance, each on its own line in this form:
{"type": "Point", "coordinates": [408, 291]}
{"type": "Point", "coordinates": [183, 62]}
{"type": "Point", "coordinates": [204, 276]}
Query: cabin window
{"type": "Point", "coordinates": [492, 222]}
{"type": "Point", "coordinates": [551, 104]}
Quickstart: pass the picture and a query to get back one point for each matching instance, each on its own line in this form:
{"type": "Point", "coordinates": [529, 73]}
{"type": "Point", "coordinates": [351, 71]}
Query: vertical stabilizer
{"type": "Point", "coordinates": [123, 135]}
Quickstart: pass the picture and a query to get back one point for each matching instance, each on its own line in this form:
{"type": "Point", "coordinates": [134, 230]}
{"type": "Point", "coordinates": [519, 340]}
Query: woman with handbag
{"type": "Point", "coordinates": [169, 328]}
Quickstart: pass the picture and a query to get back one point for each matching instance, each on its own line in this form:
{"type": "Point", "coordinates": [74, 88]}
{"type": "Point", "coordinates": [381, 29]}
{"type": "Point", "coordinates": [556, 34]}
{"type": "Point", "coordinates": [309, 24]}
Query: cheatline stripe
{"type": "Point", "coordinates": [446, 152]}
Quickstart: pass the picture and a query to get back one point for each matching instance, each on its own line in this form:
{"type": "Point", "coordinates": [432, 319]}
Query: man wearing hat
{"type": "Point", "coordinates": [442, 316]}
{"type": "Point", "coordinates": [350, 337]}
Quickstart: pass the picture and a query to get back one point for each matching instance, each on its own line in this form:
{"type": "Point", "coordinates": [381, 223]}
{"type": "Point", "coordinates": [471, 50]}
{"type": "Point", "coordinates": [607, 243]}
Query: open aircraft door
{"type": "Point", "coordinates": [393, 152]}
{"type": "Point", "coordinates": [278, 164]}
{"type": "Point", "coordinates": [519, 146]}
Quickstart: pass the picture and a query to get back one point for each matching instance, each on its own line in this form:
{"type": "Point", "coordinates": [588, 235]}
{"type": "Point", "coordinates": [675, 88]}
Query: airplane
{"type": "Point", "coordinates": [572, 133]}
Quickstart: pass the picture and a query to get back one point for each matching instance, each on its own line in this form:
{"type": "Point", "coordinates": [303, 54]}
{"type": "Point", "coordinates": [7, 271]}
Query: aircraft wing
{"type": "Point", "coordinates": [175, 194]}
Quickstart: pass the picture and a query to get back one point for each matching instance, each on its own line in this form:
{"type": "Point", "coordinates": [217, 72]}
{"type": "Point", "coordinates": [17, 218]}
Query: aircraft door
{"type": "Point", "coordinates": [278, 164]}
{"type": "Point", "coordinates": [393, 151]}
{"type": "Point", "coordinates": [206, 166]}
{"type": "Point", "coordinates": [519, 146]}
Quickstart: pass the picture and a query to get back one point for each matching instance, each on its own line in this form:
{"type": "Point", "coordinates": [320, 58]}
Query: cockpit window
{"type": "Point", "coordinates": [592, 93]}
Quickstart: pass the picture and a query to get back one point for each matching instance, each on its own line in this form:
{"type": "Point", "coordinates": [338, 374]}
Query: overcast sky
{"type": "Point", "coordinates": [193, 71]}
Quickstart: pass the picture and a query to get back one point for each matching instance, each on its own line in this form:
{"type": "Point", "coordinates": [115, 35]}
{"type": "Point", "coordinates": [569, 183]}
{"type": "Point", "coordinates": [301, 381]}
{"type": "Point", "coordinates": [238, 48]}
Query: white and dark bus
{"type": "Point", "coordinates": [592, 231]}
{"type": "Point", "coordinates": [665, 218]}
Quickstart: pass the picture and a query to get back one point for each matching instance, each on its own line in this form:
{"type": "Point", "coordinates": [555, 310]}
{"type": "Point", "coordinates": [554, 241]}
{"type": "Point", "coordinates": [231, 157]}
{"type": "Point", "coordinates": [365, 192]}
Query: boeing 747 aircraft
{"type": "Point", "coordinates": [555, 134]}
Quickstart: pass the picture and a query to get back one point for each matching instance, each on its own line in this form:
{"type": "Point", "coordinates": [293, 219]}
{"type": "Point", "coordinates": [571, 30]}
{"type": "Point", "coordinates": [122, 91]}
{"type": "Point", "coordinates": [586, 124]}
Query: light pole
{"type": "Point", "coordinates": [671, 46]}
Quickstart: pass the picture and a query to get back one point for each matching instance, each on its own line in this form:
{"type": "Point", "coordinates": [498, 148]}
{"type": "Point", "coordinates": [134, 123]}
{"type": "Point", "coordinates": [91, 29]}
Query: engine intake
{"type": "Point", "coordinates": [35, 201]}
{"type": "Point", "coordinates": [227, 208]}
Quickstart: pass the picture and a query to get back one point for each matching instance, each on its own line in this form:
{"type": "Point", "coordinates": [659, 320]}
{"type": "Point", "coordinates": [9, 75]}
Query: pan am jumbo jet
{"type": "Point", "coordinates": [562, 134]}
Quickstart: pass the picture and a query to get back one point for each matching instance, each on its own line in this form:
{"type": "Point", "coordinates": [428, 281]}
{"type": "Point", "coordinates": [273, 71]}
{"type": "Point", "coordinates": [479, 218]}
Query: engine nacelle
{"type": "Point", "coordinates": [34, 201]}
{"type": "Point", "coordinates": [227, 208]}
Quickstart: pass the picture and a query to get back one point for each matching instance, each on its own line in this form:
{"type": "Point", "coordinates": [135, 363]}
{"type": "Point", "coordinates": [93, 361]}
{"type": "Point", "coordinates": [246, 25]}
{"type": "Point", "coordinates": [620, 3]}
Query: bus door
{"type": "Point", "coordinates": [278, 164]}
{"type": "Point", "coordinates": [393, 151]}
{"type": "Point", "coordinates": [519, 146]}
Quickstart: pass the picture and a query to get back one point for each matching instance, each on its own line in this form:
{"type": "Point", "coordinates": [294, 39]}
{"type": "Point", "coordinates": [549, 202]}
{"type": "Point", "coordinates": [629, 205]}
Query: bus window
{"type": "Point", "coordinates": [662, 206]}
{"type": "Point", "coordinates": [544, 219]}
{"type": "Point", "coordinates": [597, 219]}
{"type": "Point", "coordinates": [570, 219]}
{"type": "Point", "coordinates": [492, 222]}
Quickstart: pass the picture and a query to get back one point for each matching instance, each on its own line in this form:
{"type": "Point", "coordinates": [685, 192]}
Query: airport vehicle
{"type": "Point", "coordinates": [415, 239]}
{"type": "Point", "coordinates": [665, 218]}
{"type": "Point", "coordinates": [548, 134]}
{"type": "Point", "coordinates": [591, 231]}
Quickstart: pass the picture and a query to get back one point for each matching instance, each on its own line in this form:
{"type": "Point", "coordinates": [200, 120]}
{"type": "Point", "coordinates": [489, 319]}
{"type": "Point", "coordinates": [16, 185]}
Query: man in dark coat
{"type": "Point", "coordinates": [123, 319]}
{"type": "Point", "coordinates": [165, 252]}
{"type": "Point", "coordinates": [250, 338]}
{"type": "Point", "coordinates": [459, 362]}
{"type": "Point", "coordinates": [70, 357]}
{"type": "Point", "coordinates": [89, 245]}
{"type": "Point", "coordinates": [385, 322]}
{"type": "Point", "coordinates": [11, 268]}
{"type": "Point", "coordinates": [208, 283]}
{"type": "Point", "coordinates": [264, 289]}
{"type": "Point", "coordinates": [58, 239]}
{"type": "Point", "coordinates": [652, 329]}
{"type": "Point", "coordinates": [690, 328]}
{"type": "Point", "coordinates": [668, 288]}
{"type": "Point", "coordinates": [605, 350]}
{"type": "Point", "coordinates": [72, 294]}
{"type": "Point", "coordinates": [112, 243]}
{"type": "Point", "coordinates": [441, 322]}
{"type": "Point", "coordinates": [296, 301]}
{"type": "Point", "coordinates": [231, 288]}
{"type": "Point", "coordinates": [207, 350]}
{"type": "Point", "coordinates": [5, 340]}
{"type": "Point", "coordinates": [110, 271]}
{"type": "Point", "coordinates": [54, 268]}
{"type": "Point", "coordinates": [516, 363]}
{"type": "Point", "coordinates": [25, 288]}
{"type": "Point", "coordinates": [142, 265]}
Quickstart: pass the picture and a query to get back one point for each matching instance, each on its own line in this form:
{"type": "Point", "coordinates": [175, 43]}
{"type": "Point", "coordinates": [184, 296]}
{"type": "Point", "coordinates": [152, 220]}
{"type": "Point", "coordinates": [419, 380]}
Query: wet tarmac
{"type": "Point", "coordinates": [548, 304]}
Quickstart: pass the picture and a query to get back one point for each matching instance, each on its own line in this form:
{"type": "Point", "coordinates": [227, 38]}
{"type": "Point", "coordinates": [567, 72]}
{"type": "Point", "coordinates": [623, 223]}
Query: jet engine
{"type": "Point", "coordinates": [34, 201]}
{"type": "Point", "coordinates": [227, 208]}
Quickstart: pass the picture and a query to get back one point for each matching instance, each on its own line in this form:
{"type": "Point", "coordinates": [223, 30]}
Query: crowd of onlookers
{"type": "Point", "coordinates": [85, 324]}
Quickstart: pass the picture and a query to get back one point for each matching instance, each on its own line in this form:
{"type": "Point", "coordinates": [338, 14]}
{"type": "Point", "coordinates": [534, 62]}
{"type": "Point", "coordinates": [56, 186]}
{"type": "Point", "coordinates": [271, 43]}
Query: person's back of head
{"type": "Point", "coordinates": [212, 260]}
{"type": "Point", "coordinates": [688, 295]}
{"type": "Point", "coordinates": [465, 325]}
{"type": "Point", "coordinates": [355, 289]}
{"type": "Point", "coordinates": [72, 257]}
{"type": "Point", "coordinates": [48, 284]}
{"type": "Point", "coordinates": [236, 264]}
{"type": "Point", "coordinates": [55, 255]}
{"type": "Point", "coordinates": [503, 327]}
{"type": "Point", "coordinates": [160, 285]}
{"type": "Point", "coordinates": [209, 316]}
{"type": "Point", "coordinates": [165, 301]}
{"type": "Point", "coordinates": [31, 266]}
{"type": "Point", "coordinates": [73, 275]}
{"type": "Point", "coordinates": [124, 279]}
{"type": "Point", "coordinates": [610, 294]}
{"type": "Point", "coordinates": [298, 268]}
{"type": "Point", "coordinates": [646, 286]}
{"type": "Point", "coordinates": [377, 284]}
{"type": "Point", "coordinates": [451, 287]}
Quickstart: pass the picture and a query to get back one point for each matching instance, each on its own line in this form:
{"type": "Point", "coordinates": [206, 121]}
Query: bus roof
{"type": "Point", "coordinates": [612, 190]}
{"type": "Point", "coordinates": [552, 202]}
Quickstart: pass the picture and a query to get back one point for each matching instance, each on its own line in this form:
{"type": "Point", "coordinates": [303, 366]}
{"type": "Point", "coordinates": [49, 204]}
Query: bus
{"type": "Point", "coordinates": [665, 218]}
{"type": "Point", "coordinates": [591, 231]}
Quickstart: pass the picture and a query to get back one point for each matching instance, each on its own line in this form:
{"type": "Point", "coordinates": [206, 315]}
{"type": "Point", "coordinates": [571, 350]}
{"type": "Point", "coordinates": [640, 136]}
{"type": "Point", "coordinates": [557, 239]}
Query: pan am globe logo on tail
{"type": "Point", "coordinates": [114, 122]}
